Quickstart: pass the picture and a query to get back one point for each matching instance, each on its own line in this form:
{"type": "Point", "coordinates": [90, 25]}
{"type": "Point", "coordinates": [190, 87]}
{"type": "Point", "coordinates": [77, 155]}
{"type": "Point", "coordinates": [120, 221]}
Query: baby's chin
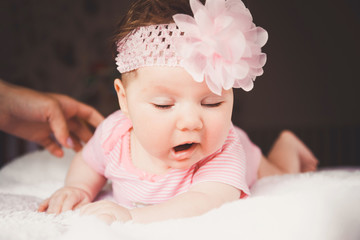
{"type": "Point", "coordinates": [182, 166]}
{"type": "Point", "coordinates": [188, 163]}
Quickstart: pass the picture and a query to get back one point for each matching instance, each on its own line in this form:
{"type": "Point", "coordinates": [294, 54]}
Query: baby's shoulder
{"type": "Point", "coordinates": [235, 135]}
{"type": "Point", "coordinates": [237, 138]}
{"type": "Point", "coordinates": [113, 129]}
{"type": "Point", "coordinates": [115, 118]}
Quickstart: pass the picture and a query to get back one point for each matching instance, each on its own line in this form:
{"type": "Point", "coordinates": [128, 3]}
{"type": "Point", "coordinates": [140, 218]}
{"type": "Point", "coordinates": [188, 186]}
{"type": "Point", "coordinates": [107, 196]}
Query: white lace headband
{"type": "Point", "coordinates": [220, 45]}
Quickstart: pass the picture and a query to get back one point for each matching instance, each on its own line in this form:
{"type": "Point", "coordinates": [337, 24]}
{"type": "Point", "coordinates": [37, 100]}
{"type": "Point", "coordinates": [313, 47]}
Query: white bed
{"type": "Point", "coordinates": [321, 205]}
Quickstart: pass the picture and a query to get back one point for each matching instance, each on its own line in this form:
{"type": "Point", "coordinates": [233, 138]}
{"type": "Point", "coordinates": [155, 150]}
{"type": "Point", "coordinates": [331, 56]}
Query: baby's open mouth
{"type": "Point", "coordinates": [183, 147]}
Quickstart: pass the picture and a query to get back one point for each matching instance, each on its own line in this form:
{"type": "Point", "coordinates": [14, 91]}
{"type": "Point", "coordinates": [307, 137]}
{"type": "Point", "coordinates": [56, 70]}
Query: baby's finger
{"type": "Point", "coordinates": [69, 203]}
{"type": "Point", "coordinates": [85, 209]}
{"type": "Point", "coordinates": [91, 209]}
{"type": "Point", "coordinates": [43, 206]}
{"type": "Point", "coordinates": [84, 202]}
{"type": "Point", "coordinates": [107, 218]}
{"type": "Point", "coordinates": [56, 203]}
{"type": "Point", "coordinates": [94, 209]}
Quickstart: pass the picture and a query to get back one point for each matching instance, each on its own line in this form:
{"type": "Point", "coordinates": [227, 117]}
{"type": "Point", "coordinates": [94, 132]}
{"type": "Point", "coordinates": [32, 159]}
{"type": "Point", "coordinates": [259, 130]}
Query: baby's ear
{"type": "Point", "coordinates": [121, 94]}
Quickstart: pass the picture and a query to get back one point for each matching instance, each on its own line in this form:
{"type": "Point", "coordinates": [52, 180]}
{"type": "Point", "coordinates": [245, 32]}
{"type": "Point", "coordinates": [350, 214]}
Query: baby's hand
{"type": "Point", "coordinates": [107, 211]}
{"type": "Point", "coordinates": [64, 199]}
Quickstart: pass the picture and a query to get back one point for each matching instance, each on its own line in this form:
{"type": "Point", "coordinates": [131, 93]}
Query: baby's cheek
{"type": "Point", "coordinates": [155, 138]}
{"type": "Point", "coordinates": [217, 135]}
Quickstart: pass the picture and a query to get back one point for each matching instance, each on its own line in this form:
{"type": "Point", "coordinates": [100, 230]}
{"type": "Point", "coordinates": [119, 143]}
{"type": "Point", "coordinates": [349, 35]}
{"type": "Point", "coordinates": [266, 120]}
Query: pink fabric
{"type": "Point", "coordinates": [149, 46]}
{"type": "Point", "coordinates": [108, 152]}
{"type": "Point", "coordinates": [253, 156]}
{"type": "Point", "coordinates": [220, 45]}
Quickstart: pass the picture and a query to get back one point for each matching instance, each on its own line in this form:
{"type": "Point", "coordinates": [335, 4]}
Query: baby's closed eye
{"type": "Point", "coordinates": [216, 104]}
{"type": "Point", "coordinates": [163, 106]}
{"type": "Point", "coordinates": [212, 101]}
{"type": "Point", "coordinates": [162, 102]}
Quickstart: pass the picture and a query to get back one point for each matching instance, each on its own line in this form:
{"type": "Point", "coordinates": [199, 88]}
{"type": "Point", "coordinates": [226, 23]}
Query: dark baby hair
{"type": "Point", "coordinates": [150, 12]}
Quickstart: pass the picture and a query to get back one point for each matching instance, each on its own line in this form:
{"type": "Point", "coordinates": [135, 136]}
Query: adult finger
{"type": "Point", "coordinates": [89, 114]}
{"type": "Point", "coordinates": [74, 108]}
{"type": "Point", "coordinates": [76, 142]}
{"type": "Point", "coordinates": [52, 146]}
{"type": "Point", "coordinates": [57, 122]}
{"type": "Point", "coordinates": [79, 129]}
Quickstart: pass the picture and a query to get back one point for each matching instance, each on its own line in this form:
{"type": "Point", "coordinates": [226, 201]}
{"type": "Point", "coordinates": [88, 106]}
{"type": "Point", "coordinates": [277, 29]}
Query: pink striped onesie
{"type": "Point", "coordinates": [108, 152]}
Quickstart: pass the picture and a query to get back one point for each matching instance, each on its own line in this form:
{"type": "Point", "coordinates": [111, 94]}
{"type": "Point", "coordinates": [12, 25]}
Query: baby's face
{"type": "Point", "coordinates": [176, 120]}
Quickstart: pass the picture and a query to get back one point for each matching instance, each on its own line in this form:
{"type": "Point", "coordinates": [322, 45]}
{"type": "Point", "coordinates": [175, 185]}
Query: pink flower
{"type": "Point", "coordinates": [221, 45]}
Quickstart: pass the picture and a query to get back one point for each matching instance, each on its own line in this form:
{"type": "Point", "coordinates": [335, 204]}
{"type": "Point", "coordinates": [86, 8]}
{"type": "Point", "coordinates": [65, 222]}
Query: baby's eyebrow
{"type": "Point", "coordinates": [215, 98]}
{"type": "Point", "coordinates": [160, 89]}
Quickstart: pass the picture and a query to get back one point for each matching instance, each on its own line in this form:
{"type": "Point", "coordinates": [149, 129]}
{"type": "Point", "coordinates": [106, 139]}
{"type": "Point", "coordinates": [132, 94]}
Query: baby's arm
{"type": "Point", "coordinates": [81, 186]}
{"type": "Point", "coordinates": [200, 198]}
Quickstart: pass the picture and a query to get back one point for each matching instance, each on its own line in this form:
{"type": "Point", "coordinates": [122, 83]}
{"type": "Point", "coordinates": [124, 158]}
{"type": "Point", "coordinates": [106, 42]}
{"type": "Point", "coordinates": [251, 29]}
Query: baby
{"type": "Point", "coordinates": [172, 151]}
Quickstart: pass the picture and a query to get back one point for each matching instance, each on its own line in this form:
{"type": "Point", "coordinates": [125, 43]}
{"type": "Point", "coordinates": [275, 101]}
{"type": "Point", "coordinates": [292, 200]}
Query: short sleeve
{"type": "Point", "coordinates": [92, 152]}
{"type": "Point", "coordinates": [228, 165]}
{"type": "Point", "coordinates": [106, 139]}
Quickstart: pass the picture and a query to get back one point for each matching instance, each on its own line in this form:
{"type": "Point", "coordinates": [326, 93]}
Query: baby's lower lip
{"type": "Point", "coordinates": [185, 154]}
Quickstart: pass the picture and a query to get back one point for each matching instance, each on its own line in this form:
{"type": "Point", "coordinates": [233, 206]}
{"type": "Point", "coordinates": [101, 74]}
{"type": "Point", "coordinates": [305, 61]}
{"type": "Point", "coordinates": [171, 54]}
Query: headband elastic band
{"type": "Point", "coordinates": [220, 45]}
{"type": "Point", "coordinates": [149, 46]}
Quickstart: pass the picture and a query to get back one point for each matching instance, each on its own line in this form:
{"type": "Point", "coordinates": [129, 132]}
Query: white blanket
{"type": "Point", "coordinates": [321, 205]}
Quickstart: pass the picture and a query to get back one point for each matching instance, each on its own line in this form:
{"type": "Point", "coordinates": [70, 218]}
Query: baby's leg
{"type": "Point", "coordinates": [288, 155]}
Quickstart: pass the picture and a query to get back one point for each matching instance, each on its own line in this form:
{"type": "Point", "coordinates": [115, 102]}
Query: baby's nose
{"type": "Point", "coordinates": [190, 121]}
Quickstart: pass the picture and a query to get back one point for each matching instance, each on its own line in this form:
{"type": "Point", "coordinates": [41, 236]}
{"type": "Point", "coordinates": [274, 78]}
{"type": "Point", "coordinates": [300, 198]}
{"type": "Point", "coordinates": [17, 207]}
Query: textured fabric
{"type": "Point", "coordinates": [108, 152]}
{"type": "Point", "coordinates": [220, 45]}
{"type": "Point", "coordinates": [307, 199]}
{"type": "Point", "coordinates": [149, 46]}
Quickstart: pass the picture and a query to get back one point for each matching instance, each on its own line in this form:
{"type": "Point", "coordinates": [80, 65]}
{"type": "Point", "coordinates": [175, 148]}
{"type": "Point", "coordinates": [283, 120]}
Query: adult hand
{"type": "Point", "coordinates": [47, 119]}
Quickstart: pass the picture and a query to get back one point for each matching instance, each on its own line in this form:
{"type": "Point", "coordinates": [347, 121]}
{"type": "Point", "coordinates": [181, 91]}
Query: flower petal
{"type": "Point", "coordinates": [215, 7]}
{"type": "Point", "coordinates": [237, 44]}
{"type": "Point", "coordinates": [195, 66]}
{"type": "Point", "coordinates": [256, 72]}
{"type": "Point", "coordinates": [223, 22]}
{"type": "Point", "coordinates": [262, 36]}
{"type": "Point", "coordinates": [186, 24]}
{"type": "Point", "coordinates": [238, 7]}
{"type": "Point", "coordinates": [228, 81]}
{"type": "Point", "coordinates": [186, 50]}
{"type": "Point", "coordinates": [232, 4]}
{"type": "Point", "coordinates": [246, 84]}
{"type": "Point", "coordinates": [206, 50]}
{"type": "Point", "coordinates": [257, 35]}
{"type": "Point", "coordinates": [222, 44]}
{"type": "Point", "coordinates": [213, 85]}
{"type": "Point", "coordinates": [196, 5]}
{"type": "Point", "coordinates": [204, 21]}
{"type": "Point", "coordinates": [257, 61]}
{"type": "Point", "coordinates": [239, 70]}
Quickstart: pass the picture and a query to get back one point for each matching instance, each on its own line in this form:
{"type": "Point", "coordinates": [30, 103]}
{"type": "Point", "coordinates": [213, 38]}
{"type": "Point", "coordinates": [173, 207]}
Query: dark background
{"type": "Point", "coordinates": [310, 84]}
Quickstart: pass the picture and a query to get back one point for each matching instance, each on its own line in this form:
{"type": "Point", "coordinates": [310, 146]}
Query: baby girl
{"type": "Point", "coordinates": [172, 151]}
